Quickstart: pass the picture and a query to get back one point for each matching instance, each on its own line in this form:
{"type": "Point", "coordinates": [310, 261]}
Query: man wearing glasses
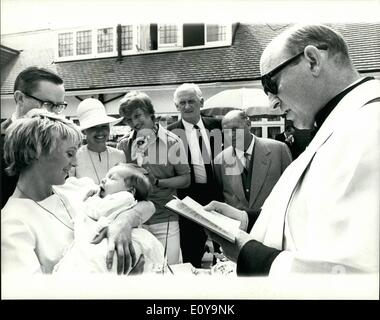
{"type": "Point", "coordinates": [34, 88]}
{"type": "Point", "coordinates": [38, 88]}
{"type": "Point", "coordinates": [323, 214]}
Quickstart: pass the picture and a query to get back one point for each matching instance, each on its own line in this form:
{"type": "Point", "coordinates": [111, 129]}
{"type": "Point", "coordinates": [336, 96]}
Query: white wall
{"type": "Point", "coordinates": [31, 40]}
{"type": "Point", "coordinates": [162, 98]}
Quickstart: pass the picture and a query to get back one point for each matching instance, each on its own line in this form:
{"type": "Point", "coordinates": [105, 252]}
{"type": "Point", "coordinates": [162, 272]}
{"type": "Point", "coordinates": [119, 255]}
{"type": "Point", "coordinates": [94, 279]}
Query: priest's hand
{"type": "Point", "coordinates": [231, 249]}
{"type": "Point", "coordinates": [231, 212]}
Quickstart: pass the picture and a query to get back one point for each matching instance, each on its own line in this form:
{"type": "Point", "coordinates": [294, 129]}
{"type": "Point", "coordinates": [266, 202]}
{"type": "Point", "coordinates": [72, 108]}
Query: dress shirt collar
{"type": "Point", "coordinates": [240, 154]}
{"type": "Point", "coordinates": [161, 134]}
{"type": "Point", "coordinates": [189, 126]}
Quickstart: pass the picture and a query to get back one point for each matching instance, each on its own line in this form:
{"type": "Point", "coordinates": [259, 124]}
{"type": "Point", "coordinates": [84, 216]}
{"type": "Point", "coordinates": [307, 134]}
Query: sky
{"type": "Point", "coordinates": [27, 15]}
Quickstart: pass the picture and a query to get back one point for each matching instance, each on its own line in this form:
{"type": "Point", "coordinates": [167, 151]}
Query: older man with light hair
{"type": "Point", "coordinates": [202, 139]}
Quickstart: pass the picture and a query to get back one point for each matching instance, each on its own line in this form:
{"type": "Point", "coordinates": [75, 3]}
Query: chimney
{"type": "Point", "coordinates": [118, 32]}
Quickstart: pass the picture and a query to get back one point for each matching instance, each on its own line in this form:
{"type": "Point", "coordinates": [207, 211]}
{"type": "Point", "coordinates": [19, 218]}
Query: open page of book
{"type": "Point", "coordinates": [214, 221]}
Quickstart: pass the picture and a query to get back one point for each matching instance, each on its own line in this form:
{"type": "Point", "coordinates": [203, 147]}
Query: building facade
{"type": "Point", "coordinates": [107, 61]}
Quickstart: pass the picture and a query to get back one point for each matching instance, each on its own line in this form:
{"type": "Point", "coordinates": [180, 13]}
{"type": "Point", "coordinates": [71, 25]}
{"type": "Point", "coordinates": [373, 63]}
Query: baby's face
{"type": "Point", "coordinates": [114, 180]}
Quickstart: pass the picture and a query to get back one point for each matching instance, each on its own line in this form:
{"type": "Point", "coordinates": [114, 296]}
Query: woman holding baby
{"type": "Point", "coordinates": [163, 155]}
{"type": "Point", "coordinates": [37, 222]}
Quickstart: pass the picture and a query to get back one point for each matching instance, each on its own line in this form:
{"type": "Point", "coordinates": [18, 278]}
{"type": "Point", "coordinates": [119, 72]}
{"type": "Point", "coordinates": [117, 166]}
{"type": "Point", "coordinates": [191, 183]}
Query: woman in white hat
{"type": "Point", "coordinates": [96, 158]}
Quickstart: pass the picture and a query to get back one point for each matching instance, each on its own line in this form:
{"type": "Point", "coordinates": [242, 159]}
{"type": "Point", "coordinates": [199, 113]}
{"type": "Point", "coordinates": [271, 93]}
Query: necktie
{"type": "Point", "coordinates": [247, 157]}
{"type": "Point", "coordinates": [246, 179]}
{"type": "Point", "coordinates": [205, 155]}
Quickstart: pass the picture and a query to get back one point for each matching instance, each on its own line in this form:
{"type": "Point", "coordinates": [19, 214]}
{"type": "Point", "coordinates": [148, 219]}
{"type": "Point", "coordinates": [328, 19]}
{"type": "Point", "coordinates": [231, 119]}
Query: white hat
{"type": "Point", "coordinates": [91, 112]}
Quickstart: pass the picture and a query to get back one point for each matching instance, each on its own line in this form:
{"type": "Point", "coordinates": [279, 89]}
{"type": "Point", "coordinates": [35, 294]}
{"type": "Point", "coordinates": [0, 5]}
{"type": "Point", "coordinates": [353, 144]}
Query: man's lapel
{"type": "Point", "coordinates": [215, 138]}
{"type": "Point", "coordinates": [180, 131]}
{"type": "Point", "coordinates": [269, 227]}
{"type": "Point", "coordinates": [184, 139]}
{"type": "Point", "coordinates": [260, 167]}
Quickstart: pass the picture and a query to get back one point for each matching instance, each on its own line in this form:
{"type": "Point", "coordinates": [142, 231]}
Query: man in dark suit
{"type": "Point", "coordinates": [34, 88]}
{"type": "Point", "coordinates": [202, 137]}
{"type": "Point", "coordinates": [288, 137]}
{"type": "Point", "coordinates": [296, 139]}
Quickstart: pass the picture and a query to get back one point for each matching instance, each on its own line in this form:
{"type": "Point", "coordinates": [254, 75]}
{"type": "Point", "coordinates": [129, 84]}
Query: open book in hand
{"type": "Point", "coordinates": [212, 220]}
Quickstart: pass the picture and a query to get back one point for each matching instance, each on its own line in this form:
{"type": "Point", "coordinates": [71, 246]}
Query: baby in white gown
{"type": "Point", "coordinates": [123, 186]}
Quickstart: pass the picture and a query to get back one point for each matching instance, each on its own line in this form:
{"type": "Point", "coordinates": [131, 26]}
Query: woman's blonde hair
{"type": "Point", "coordinates": [28, 138]}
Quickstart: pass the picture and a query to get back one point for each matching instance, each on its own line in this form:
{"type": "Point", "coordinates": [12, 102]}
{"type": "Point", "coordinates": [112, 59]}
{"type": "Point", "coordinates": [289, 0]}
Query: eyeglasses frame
{"type": "Point", "coordinates": [54, 105]}
{"type": "Point", "coordinates": [267, 78]}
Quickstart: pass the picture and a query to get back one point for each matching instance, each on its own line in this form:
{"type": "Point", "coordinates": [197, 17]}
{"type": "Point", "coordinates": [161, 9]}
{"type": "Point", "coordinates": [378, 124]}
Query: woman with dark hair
{"type": "Point", "coordinates": [162, 154]}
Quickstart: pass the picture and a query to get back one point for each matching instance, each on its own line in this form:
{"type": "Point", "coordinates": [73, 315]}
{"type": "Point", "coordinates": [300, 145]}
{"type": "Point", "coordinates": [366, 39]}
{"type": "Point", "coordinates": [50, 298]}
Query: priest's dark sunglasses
{"type": "Point", "coordinates": [50, 106]}
{"type": "Point", "coordinates": [266, 80]}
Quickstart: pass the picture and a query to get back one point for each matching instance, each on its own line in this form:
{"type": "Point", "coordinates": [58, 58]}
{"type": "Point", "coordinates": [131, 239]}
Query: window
{"type": "Point", "coordinates": [264, 127]}
{"type": "Point", "coordinates": [84, 42]}
{"type": "Point", "coordinates": [216, 32]}
{"type": "Point", "coordinates": [193, 35]}
{"type": "Point", "coordinates": [272, 131]}
{"type": "Point", "coordinates": [147, 39]}
{"type": "Point", "coordinates": [168, 34]}
{"type": "Point", "coordinates": [65, 44]}
{"type": "Point", "coordinates": [153, 37]}
{"type": "Point", "coordinates": [200, 34]}
{"type": "Point", "coordinates": [105, 40]}
{"type": "Point", "coordinates": [257, 131]}
{"type": "Point", "coordinates": [126, 37]}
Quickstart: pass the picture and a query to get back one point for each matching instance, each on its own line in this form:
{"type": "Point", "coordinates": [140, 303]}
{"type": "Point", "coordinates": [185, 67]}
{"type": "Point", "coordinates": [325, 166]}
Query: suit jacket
{"type": "Point", "coordinates": [280, 137]}
{"type": "Point", "coordinates": [214, 128]}
{"type": "Point", "coordinates": [301, 140]}
{"type": "Point", "coordinates": [269, 161]}
{"type": "Point", "coordinates": [324, 210]}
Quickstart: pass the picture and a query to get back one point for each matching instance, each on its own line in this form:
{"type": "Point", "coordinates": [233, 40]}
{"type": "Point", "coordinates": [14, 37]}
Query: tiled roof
{"type": "Point", "coordinates": [240, 61]}
{"type": "Point", "coordinates": [38, 57]}
{"type": "Point", "coordinates": [237, 62]}
{"type": "Point", "coordinates": [364, 44]}
{"type": "Point", "coordinates": [7, 55]}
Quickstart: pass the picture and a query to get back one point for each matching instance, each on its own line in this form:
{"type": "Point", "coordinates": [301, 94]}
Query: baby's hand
{"type": "Point", "coordinates": [94, 190]}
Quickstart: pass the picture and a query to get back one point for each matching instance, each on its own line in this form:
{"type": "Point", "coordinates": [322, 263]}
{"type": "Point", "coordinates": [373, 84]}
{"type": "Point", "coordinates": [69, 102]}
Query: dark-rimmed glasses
{"type": "Point", "coordinates": [48, 105]}
{"type": "Point", "coordinates": [266, 80]}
